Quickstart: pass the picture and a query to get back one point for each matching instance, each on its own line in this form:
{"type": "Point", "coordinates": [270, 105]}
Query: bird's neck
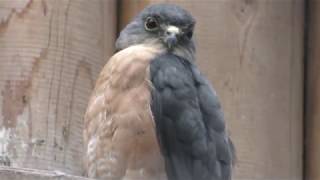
{"type": "Point", "coordinates": [184, 53]}
{"type": "Point", "coordinates": [180, 51]}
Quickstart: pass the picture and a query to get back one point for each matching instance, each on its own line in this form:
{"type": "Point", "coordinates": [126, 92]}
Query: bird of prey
{"type": "Point", "coordinates": [152, 114]}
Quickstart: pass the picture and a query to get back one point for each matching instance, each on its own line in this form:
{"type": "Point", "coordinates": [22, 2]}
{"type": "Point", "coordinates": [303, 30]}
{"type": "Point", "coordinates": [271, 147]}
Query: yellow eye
{"type": "Point", "coordinates": [151, 24]}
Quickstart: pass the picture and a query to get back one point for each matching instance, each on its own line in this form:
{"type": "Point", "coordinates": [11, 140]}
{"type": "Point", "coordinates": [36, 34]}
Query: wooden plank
{"type": "Point", "coordinates": [313, 94]}
{"type": "Point", "coordinates": [128, 9]}
{"type": "Point", "coordinates": [252, 51]}
{"type": "Point", "coordinates": [50, 55]}
{"type": "Point", "coordinates": [35, 174]}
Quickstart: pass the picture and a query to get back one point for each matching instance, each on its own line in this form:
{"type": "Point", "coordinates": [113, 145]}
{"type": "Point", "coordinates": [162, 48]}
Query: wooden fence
{"type": "Point", "coordinates": [312, 82]}
{"type": "Point", "coordinates": [50, 55]}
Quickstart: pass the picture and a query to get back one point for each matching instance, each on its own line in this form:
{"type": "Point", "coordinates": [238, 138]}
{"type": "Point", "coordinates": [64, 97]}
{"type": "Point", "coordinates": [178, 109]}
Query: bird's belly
{"type": "Point", "coordinates": [146, 166]}
{"type": "Point", "coordinates": [144, 160]}
{"type": "Point", "coordinates": [135, 134]}
{"type": "Point", "coordinates": [120, 130]}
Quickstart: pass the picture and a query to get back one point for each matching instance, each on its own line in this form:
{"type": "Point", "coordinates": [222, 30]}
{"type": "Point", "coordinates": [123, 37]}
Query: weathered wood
{"type": "Point", "coordinates": [34, 174]}
{"type": "Point", "coordinates": [313, 94]}
{"type": "Point", "coordinates": [50, 55]}
{"type": "Point", "coordinates": [128, 9]}
{"type": "Point", "coordinates": [252, 51]}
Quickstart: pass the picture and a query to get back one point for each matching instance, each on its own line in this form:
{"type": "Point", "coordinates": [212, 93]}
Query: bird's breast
{"type": "Point", "coordinates": [120, 121]}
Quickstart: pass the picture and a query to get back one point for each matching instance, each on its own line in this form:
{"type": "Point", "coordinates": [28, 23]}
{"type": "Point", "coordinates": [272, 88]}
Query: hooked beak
{"type": "Point", "coordinates": [171, 36]}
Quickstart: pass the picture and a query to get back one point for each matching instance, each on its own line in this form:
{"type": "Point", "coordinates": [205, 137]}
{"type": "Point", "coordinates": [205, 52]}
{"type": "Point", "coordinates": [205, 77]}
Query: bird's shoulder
{"type": "Point", "coordinates": [125, 73]}
{"type": "Point", "coordinates": [127, 59]}
{"type": "Point", "coordinates": [171, 71]}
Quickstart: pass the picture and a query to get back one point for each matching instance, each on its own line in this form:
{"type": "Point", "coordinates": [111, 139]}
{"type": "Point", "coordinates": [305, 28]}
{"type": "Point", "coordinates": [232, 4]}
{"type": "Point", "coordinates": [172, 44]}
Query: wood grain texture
{"type": "Point", "coordinates": [252, 51]}
{"type": "Point", "coordinates": [128, 9]}
{"type": "Point", "coordinates": [50, 55]}
{"type": "Point", "coordinates": [32, 174]}
{"type": "Point", "coordinates": [313, 94]}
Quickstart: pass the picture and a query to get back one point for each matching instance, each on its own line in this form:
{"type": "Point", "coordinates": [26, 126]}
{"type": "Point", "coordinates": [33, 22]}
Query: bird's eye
{"type": "Point", "coordinates": [151, 24]}
{"type": "Point", "coordinates": [189, 34]}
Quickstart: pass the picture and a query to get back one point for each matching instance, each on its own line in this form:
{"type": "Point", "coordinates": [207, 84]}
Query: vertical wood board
{"type": "Point", "coordinates": [50, 55]}
{"type": "Point", "coordinates": [313, 94]}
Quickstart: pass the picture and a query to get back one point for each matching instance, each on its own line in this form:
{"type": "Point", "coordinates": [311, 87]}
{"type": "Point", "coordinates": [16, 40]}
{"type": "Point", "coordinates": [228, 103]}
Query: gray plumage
{"type": "Point", "coordinates": [166, 14]}
{"type": "Point", "coordinates": [189, 121]}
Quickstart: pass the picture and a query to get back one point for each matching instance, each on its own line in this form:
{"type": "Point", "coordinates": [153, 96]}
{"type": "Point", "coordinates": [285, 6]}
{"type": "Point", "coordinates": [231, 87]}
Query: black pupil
{"type": "Point", "coordinates": [151, 24]}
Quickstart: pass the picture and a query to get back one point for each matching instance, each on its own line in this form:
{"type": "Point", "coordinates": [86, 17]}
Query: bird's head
{"type": "Point", "coordinates": [167, 25]}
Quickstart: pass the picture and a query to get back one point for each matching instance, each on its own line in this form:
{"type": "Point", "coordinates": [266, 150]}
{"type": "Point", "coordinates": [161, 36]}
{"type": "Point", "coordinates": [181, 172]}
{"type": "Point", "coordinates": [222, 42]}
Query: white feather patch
{"type": "Point", "coordinates": [173, 29]}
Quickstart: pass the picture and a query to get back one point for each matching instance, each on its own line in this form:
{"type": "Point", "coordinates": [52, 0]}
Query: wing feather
{"type": "Point", "coordinates": [190, 124]}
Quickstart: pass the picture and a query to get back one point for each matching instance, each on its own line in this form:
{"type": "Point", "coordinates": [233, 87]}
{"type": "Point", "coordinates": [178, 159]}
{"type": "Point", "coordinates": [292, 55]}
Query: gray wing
{"type": "Point", "coordinates": [213, 117]}
{"type": "Point", "coordinates": [189, 122]}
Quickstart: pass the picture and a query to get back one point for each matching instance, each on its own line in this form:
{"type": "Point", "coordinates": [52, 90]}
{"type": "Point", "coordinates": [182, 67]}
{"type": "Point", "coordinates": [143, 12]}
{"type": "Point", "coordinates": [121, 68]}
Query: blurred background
{"type": "Point", "coordinates": [262, 57]}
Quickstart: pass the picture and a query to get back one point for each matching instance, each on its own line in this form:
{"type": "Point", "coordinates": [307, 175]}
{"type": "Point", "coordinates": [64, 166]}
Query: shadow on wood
{"type": "Point", "coordinates": [313, 94]}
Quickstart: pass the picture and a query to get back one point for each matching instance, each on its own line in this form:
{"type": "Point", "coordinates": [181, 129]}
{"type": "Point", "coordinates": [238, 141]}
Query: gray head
{"type": "Point", "coordinates": [166, 24]}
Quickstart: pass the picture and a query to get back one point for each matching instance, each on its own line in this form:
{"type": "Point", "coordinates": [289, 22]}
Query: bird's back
{"type": "Point", "coordinates": [190, 122]}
